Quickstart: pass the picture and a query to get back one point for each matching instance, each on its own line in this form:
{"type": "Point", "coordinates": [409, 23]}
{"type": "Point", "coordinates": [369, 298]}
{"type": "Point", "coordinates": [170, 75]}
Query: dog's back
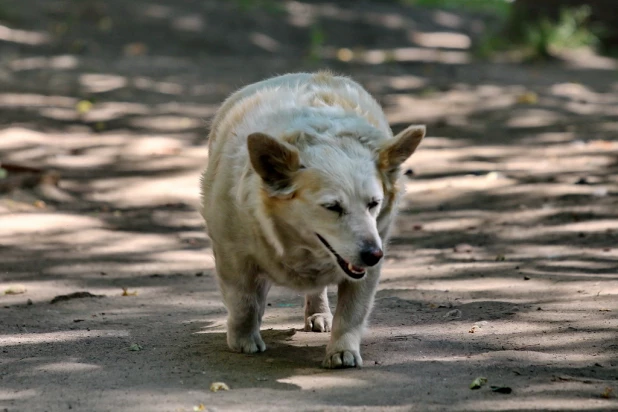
{"type": "Point", "coordinates": [321, 89]}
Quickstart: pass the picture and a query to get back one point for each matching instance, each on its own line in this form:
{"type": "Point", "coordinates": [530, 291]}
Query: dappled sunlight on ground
{"type": "Point", "coordinates": [503, 262]}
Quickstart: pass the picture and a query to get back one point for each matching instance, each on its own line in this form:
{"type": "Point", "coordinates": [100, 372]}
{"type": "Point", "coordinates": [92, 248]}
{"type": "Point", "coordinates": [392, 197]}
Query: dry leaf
{"type": "Point", "coordinates": [15, 290]}
{"type": "Point", "coordinates": [528, 98]}
{"type": "Point", "coordinates": [463, 248]}
{"type": "Point", "coordinates": [219, 386]}
{"type": "Point", "coordinates": [125, 292]}
{"type": "Point", "coordinates": [501, 389]}
{"type": "Point", "coordinates": [135, 49]}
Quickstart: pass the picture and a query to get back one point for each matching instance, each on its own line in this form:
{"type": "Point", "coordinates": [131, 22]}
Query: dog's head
{"type": "Point", "coordinates": [332, 194]}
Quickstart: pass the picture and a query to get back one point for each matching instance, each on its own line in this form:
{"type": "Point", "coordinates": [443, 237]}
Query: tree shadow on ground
{"type": "Point", "coordinates": [500, 176]}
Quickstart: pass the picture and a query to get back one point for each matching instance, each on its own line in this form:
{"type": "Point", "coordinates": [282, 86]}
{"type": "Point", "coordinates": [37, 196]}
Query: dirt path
{"type": "Point", "coordinates": [504, 262]}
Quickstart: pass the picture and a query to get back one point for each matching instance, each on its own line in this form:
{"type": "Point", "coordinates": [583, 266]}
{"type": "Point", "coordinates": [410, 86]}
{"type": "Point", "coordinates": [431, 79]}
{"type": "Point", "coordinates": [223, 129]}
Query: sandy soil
{"type": "Point", "coordinates": [504, 261]}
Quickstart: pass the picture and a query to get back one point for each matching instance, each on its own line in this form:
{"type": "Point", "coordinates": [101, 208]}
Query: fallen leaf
{"type": "Point", "coordinates": [83, 106]}
{"type": "Point", "coordinates": [463, 248]}
{"type": "Point", "coordinates": [219, 386]}
{"type": "Point", "coordinates": [528, 98]}
{"type": "Point", "coordinates": [125, 292]}
{"type": "Point", "coordinates": [199, 407]}
{"type": "Point", "coordinates": [135, 49]}
{"type": "Point", "coordinates": [478, 382]}
{"type": "Point", "coordinates": [453, 314]}
{"type": "Point", "coordinates": [15, 290]}
{"type": "Point", "coordinates": [135, 347]}
{"type": "Point", "coordinates": [501, 389]}
{"type": "Point", "coordinates": [607, 393]}
{"type": "Point", "coordinates": [75, 295]}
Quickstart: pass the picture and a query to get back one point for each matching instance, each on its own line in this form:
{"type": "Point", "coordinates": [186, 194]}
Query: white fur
{"type": "Point", "coordinates": [264, 231]}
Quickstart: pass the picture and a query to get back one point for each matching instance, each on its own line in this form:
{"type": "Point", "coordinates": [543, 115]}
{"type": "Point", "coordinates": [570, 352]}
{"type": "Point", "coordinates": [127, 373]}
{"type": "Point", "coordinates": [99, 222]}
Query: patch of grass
{"type": "Point", "coordinates": [270, 6]}
{"type": "Point", "coordinates": [500, 8]}
{"type": "Point", "coordinates": [7, 15]}
{"type": "Point", "coordinates": [571, 31]}
{"type": "Point", "coordinates": [317, 38]}
{"type": "Point", "coordinates": [541, 38]}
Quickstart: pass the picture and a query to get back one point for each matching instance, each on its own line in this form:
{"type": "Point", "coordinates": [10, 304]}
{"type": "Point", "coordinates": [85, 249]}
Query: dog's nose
{"type": "Point", "coordinates": [371, 255]}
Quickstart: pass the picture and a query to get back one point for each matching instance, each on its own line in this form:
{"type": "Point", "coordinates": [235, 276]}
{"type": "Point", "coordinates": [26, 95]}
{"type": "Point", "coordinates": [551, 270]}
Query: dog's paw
{"type": "Point", "coordinates": [343, 359]}
{"type": "Point", "coordinates": [319, 322]}
{"type": "Point", "coordinates": [247, 344]}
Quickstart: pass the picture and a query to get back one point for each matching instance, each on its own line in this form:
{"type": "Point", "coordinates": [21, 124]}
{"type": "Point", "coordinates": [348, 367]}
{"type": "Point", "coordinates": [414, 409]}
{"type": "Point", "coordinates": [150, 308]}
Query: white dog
{"type": "Point", "coordinates": [300, 190]}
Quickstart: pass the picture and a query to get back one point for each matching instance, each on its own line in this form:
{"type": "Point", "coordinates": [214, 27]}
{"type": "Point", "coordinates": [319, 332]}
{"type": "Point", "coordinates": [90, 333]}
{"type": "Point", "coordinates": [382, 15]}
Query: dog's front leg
{"type": "Point", "coordinates": [318, 317]}
{"type": "Point", "coordinates": [355, 299]}
{"type": "Point", "coordinates": [245, 300]}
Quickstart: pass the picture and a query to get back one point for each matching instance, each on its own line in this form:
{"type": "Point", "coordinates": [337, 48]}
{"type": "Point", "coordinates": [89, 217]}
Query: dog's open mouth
{"type": "Point", "coordinates": [352, 271]}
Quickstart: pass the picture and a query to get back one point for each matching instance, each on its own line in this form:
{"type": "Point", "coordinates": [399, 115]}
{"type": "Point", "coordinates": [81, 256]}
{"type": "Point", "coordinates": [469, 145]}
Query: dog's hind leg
{"type": "Point", "coordinates": [355, 299]}
{"type": "Point", "coordinates": [245, 300]}
{"type": "Point", "coordinates": [318, 317]}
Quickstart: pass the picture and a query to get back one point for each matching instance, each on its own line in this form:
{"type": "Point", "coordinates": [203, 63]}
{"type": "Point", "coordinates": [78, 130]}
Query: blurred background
{"type": "Point", "coordinates": [109, 81]}
{"type": "Point", "coordinates": [509, 218]}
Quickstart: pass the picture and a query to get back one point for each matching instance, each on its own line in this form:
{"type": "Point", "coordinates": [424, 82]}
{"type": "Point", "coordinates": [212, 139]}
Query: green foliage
{"type": "Point", "coordinates": [545, 37]}
{"type": "Point", "coordinates": [270, 6]}
{"type": "Point", "coordinates": [317, 38]}
{"type": "Point", "coordinates": [500, 8]}
{"type": "Point", "coordinates": [541, 38]}
{"type": "Point", "coordinates": [6, 13]}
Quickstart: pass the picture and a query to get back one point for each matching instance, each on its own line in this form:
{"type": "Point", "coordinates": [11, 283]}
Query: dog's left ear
{"type": "Point", "coordinates": [275, 161]}
{"type": "Point", "coordinates": [391, 156]}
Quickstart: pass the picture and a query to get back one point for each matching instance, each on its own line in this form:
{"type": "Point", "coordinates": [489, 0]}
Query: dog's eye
{"type": "Point", "coordinates": [334, 207]}
{"type": "Point", "coordinates": [373, 204]}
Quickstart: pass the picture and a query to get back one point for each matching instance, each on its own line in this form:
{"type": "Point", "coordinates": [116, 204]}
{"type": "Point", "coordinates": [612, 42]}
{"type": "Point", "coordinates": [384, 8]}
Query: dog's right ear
{"type": "Point", "coordinates": [275, 161]}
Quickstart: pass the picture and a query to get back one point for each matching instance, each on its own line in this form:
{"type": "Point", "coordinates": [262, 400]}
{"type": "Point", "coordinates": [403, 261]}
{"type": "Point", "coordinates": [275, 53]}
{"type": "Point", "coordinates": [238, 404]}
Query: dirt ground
{"type": "Point", "coordinates": [503, 263]}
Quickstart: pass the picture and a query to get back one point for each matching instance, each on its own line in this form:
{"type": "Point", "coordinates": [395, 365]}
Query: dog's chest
{"type": "Point", "coordinates": [304, 271]}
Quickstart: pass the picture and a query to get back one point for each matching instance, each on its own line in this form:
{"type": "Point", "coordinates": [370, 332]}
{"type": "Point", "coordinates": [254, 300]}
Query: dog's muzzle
{"type": "Point", "coordinates": [349, 269]}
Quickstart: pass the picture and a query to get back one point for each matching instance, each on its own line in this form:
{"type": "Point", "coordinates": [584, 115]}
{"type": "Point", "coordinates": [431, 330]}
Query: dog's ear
{"type": "Point", "coordinates": [275, 161]}
{"type": "Point", "coordinates": [392, 155]}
